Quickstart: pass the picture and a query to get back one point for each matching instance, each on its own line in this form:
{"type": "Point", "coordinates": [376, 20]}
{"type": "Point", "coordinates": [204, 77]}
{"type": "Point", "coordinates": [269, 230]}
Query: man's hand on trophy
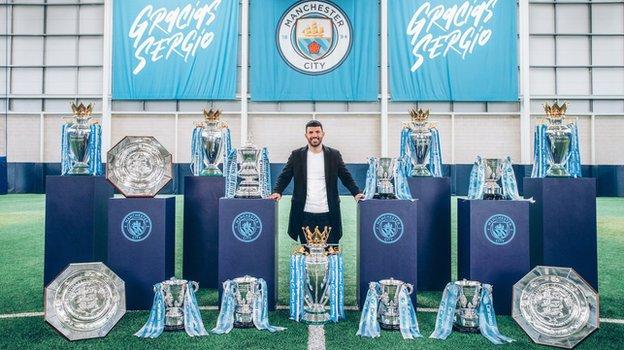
{"type": "Point", "coordinates": [358, 197]}
{"type": "Point", "coordinates": [275, 196]}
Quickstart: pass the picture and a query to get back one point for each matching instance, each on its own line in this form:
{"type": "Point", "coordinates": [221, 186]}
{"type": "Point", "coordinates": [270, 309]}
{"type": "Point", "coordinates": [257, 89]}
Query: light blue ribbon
{"type": "Point", "coordinates": [265, 173]}
{"type": "Point", "coordinates": [541, 153]}
{"type": "Point", "coordinates": [231, 174]}
{"type": "Point", "coordinates": [227, 141]}
{"type": "Point", "coordinates": [335, 283]}
{"type": "Point", "coordinates": [156, 322]}
{"type": "Point", "coordinates": [261, 310]}
{"type": "Point", "coordinates": [369, 325]}
{"type": "Point", "coordinates": [94, 148]}
{"type": "Point", "coordinates": [371, 178]}
{"type": "Point", "coordinates": [225, 320]}
{"type": "Point", "coordinates": [446, 312]}
{"type": "Point", "coordinates": [477, 179]}
{"type": "Point", "coordinates": [193, 323]}
{"type": "Point", "coordinates": [508, 180]}
{"type": "Point", "coordinates": [487, 318]}
{"type": "Point", "coordinates": [435, 152]}
{"type": "Point", "coordinates": [401, 174]}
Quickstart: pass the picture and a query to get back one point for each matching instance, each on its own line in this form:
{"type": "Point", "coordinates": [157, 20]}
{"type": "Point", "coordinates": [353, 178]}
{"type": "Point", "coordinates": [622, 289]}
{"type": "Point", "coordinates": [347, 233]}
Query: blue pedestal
{"type": "Point", "coordinates": [387, 244]}
{"type": "Point", "coordinates": [563, 224]}
{"type": "Point", "coordinates": [248, 241]}
{"type": "Point", "coordinates": [4, 184]}
{"type": "Point", "coordinates": [141, 240]}
{"type": "Point", "coordinates": [434, 230]}
{"type": "Point", "coordinates": [201, 229]}
{"type": "Point", "coordinates": [75, 222]}
{"type": "Point", "coordinates": [493, 245]}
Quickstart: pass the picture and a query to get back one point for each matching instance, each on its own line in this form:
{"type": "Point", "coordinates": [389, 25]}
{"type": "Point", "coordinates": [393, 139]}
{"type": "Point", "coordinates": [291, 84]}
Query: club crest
{"type": "Point", "coordinates": [136, 226]}
{"type": "Point", "coordinates": [247, 227]}
{"type": "Point", "coordinates": [499, 229]}
{"type": "Point", "coordinates": [388, 228]}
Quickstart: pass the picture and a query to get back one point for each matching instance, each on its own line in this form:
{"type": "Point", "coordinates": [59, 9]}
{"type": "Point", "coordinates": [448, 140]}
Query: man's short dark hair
{"type": "Point", "coordinates": [313, 124]}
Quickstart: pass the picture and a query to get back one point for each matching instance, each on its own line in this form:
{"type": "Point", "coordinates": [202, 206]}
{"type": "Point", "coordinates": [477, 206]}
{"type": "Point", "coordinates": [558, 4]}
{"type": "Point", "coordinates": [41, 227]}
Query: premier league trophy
{"type": "Point", "coordinates": [249, 187]}
{"type": "Point", "coordinates": [81, 143]}
{"type": "Point", "coordinates": [493, 174]}
{"type": "Point", "coordinates": [420, 141]}
{"type": "Point", "coordinates": [316, 264]}
{"type": "Point", "coordinates": [466, 315]}
{"type": "Point", "coordinates": [558, 140]}
{"type": "Point", "coordinates": [246, 290]}
{"type": "Point", "coordinates": [213, 138]}
{"type": "Point", "coordinates": [389, 318]}
{"type": "Point", "coordinates": [385, 174]}
{"type": "Point", "coordinates": [174, 291]}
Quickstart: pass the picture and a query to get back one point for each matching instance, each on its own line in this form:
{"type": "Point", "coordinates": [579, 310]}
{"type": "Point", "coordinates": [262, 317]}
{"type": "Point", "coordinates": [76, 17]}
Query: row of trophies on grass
{"type": "Point", "coordinates": [553, 305]}
{"type": "Point", "coordinates": [141, 166]}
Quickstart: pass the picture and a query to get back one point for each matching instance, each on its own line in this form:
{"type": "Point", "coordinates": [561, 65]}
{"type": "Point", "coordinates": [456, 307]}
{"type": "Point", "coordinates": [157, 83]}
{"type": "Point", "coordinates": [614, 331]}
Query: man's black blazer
{"type": "Point", "coordinates": [296, 168]}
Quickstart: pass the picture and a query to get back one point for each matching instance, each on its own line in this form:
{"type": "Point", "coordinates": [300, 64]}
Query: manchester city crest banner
{"type": "Point", "coordinates": [453, 50]}
{"type": "Point", "coordinates": [175, 49]}
{"type": "Point", "coordinates": [314, 50]}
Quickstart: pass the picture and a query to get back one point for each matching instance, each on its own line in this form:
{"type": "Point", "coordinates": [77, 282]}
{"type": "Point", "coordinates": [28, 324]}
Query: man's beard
{"type": "Point", "coordinates": [314, 141]}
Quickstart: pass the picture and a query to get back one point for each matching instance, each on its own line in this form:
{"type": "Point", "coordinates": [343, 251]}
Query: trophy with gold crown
{"type": "Point", "coordinates": [420, 141]}
{"type": "Point", "coordinates": [212, 143]}
{"type": "Point", "coordinates": [558, 140]}
{"type": "Point", "coordinates": [316, 265]}
{"type": "Point", "coordinates": [80, 143]}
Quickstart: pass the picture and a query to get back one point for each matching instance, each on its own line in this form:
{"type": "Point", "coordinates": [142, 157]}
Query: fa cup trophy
{"type": "Point", "coordinates": [385, 174]}
{"type": "Point", "coordinates": [249, 187]}
{"type": "Point", "coordinates": [79, 134]}
{"type": "Point", "coordinates": [174, 291]}
{"type": "Point", "coordinates": [493, 174]}
{"type": "Point", "coordinates": [388, 314]}
{"type": "Point", "coordinates": [466, 315]}
{"type": "Point", "coordinates": [420, 142]}
{"type": "Point", "coordinates": [246, 291]}
{"type": "Point", "coordinates": [558, 139]}
{"type": "Point", "coordinates": [212, 141]}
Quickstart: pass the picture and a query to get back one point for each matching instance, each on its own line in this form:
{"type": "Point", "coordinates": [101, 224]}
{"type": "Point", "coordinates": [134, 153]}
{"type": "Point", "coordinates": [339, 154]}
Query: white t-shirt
{"type": "Point", "coordinates": [316, 196]}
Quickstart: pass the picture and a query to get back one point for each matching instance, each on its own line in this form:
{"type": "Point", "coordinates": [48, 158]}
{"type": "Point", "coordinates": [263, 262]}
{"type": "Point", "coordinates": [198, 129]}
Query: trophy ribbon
{"type": "Point", "coordinates": [446, 312]}
{"type": "Point", "coordinates": [401, 173]}
{"type": "Point", "coordinates": [477, 179]}
{"type": "Point", "coordinates": [369, 325]}
{"type": "Point", "coordinates": [371, 178]}
{"type": "Point", "coordinates": [156, 322]}
{"type": "Point", "coordinates": [261, 312]}
{"type": "Point", "coordinates": [225, 321]}
{"type": "Point", "coordinates": [193, 324]}
{"type": "Point", "coordinates": [487, 318]}
{"type": "Point", "coordinates": [197, 154]}
{"type": "Point", "coordinates": [231, 174]}
{"type": "Point", "coordinates": [407, 316]}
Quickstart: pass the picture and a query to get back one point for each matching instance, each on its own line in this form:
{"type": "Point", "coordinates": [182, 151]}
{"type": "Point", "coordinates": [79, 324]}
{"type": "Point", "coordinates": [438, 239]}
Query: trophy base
{"type": "Point", "coordinates": [239, 324]}
{"type": "Point", "coordinates": [421, 171]}
{"type": "Point", "coordinates": [464, 329]}
{"type": "Point", "coordinates": [389, 327]}
{"type": "Point", "coordinates": [557, 171]}
{"type": "Point", "coordinates": [79, 170]}
{"type": "Point", "coordinates": [211, 171]}
{"type": "Point", "coordinates": [384, 196]}
{"type": "Point", "coordinates": [315, 319]}
{"type": "Point", "coordinates": [492, 196]}
{"type": "Point", "coordinates": [179, 327]}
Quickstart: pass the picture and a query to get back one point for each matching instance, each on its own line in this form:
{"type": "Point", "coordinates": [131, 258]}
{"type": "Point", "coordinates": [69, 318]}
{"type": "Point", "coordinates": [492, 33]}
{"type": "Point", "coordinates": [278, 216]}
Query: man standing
{"type": "Point", "coordinates": [316, 169]}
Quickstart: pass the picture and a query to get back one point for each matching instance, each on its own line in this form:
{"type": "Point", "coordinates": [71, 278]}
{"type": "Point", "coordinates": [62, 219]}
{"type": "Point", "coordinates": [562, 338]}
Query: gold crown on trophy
{"type": "Point", "coordinates": [211, 116]}
{"type": "Point", "coordinates": [82, 111]}
{"type": "Point", "coordinates": [420, 115]}
{"type": "Point", "coordinates": [316, 237]}
{"type": "Point", "coordinates": [556, 111]}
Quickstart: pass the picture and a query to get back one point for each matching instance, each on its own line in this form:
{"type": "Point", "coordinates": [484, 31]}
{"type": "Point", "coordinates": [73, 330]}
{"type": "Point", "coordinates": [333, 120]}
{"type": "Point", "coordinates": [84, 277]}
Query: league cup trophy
{"type": "Point", "coordinates": [558, 139]}
{"type": "Point", "coordinates": [420, 142]}
{"type": "Point", "coordinates": [212, 141]}
{"type": "Point", "coordinates": [388, 314]}
{"type": "Point", "coordinates": [249, 187]}
{"type": "Point", "coordinates": [78, 134]}
{"type": "Point", "coordinates": [466, 315]}
{"type": "Point", "coordinates": [246, 291]}
{"type": "Point", "coordinates": [493, 174]}
{"type": "Point", "coordinates": [317, 265]}
{"type": "Point", "coordinates": [174, 291]}
{"type": "Point", "coordinates": [385, 174]}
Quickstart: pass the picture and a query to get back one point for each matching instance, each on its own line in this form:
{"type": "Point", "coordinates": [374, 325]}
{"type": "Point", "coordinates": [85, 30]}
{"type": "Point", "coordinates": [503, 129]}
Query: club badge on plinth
{"type": "Point", "coordinates": [420, 142]}
{"type": "Point", "coordinates": [388, 306]}
{"type": "Point", "coordinates": [174, 308]}
{"type": "Point", "coordinates": [244, 304]}
{"type": "Point", "coordinates": [556, 147]}
{"type": "Point", "coordinates": [386, 178]}
{"type": "Point", "coordinates": [493, 179]}
{"type": "Point", "coordinates": [210, 145]}
{"type": "Point", "coordinates": [467, 306]}
{"type": "Point", "coordinates": [555, 306]}
{"type": "Point", "coordinates": [81, 143]}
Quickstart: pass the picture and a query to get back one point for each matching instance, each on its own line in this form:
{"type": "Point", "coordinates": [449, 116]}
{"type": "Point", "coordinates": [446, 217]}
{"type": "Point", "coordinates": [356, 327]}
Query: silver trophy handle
{"type": "Point", "coordinates": [195, 286]}
{"type": "Point", "coordinates": [409, 287]}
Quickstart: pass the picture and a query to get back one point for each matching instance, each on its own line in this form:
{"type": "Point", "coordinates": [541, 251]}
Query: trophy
{"type": "Point", "coordinates": [246, 291]}
{"type": "Point", "coordinates": [388, 313]}
{"type": "Point", "coordinates": [249, 187]}
{"type": "Point", "coordinates": [78, 133]}
{"type": "Point", "coordinates": [493, 174]}
{"type": "Point", "coordinates": [212, 142]}
{"type": "Point", "coordinates": [317, 266]}
{"type": "Point", "coordinates": [420, 142]}
{"type": "Point", "coordinates": [466, 315]}
{"type": "Point", "coordinates": [174, 291]}
{"type": "Point", "coordinates": [558, 140]}
{"type": "Point", "coordinates": [385, 174]}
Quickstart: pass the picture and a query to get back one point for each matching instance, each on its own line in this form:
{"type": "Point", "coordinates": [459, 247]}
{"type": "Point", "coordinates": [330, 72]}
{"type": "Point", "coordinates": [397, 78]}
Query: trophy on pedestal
{"type": "Point", "coordinates": [249, 187]}
{"type": "Point", "coordinates": [420, 137]}
{"type": "Point", "coordinates": [211, 140]}
{"type": "Point", "coordinates": [81, 143]}
{"type": "Point", "coordinates": [389, 318]}
{"type": "Point", "coordinates": [558, 140]}
{"type": "Point", "coordinates": [386, 178]}
{"type": "Point", "coordinates": [385, 175]}
{"type": "Point", "coordinates": [485, 176]}
{"type": "Point", "coordinates": [493, 174]}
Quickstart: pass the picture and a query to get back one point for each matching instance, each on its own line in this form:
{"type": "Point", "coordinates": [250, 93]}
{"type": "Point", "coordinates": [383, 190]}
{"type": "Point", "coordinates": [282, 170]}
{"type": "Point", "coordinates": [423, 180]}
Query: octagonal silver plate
{"type": "Point", "coordinates": [555, 306]}
{"type": "Point", "coordinates": [139, 166]}
{"type": "Point", "coordinates": [85, 301]}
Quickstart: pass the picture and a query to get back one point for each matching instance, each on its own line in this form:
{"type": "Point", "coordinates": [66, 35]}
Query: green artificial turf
{"type": "Point", "coordinates": [21, 268]}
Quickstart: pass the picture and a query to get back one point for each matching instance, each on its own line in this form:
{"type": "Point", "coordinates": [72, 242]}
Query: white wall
{"type": "Point", "coordinates": [52, 54]}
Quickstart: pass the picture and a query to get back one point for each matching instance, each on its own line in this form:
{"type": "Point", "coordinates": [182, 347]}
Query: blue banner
{"type": "Point", "coordinates": [175, 49]}
{"type": "Point", "coordinates": [314, 50]}
{"type": "Point", "coordinates": [453, 50]}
